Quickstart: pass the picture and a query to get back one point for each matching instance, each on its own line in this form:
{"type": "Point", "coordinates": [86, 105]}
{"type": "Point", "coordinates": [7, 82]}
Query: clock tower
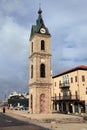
{"type": "Point", "coordinates": [40, 68]}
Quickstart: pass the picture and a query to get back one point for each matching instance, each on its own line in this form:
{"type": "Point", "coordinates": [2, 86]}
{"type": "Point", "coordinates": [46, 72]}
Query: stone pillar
{"type": "Point", "coordinates": [57, 107]}
{"type": "Point", "coordinates": [73, 108]}
{"type": "Point", "coordinates": [79, 108]}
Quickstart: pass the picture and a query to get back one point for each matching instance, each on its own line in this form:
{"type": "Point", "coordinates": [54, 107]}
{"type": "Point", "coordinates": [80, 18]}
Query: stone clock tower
{"type": "Point", "coordinates": [40, 68]}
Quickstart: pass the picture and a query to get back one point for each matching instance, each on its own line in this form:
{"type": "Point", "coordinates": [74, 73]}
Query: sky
{"type": "Point", "coordinates": [67, 24]}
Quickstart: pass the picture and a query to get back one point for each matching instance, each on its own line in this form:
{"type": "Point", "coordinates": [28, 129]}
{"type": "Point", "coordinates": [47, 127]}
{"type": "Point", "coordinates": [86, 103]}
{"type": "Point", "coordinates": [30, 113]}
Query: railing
{"type": "Point", "coordinates": [64, 85]}
{"type": "Point", "coordinates": [70, 97]}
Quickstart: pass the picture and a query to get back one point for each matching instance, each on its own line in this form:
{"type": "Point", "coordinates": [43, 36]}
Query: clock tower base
{"type": "Point", "coordinates": [40, 99]}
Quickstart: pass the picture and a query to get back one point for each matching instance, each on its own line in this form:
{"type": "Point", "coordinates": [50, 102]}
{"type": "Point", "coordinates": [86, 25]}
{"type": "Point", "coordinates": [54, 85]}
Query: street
{"type": "Point", "coordinates": [9, 123]}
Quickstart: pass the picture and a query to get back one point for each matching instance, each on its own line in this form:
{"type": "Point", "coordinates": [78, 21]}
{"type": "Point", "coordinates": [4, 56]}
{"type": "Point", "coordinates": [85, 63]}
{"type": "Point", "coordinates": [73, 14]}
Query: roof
{"type": "Point", "coordinates": [39, 24]}
{"type": "Point", "coordinates": [81, 67]}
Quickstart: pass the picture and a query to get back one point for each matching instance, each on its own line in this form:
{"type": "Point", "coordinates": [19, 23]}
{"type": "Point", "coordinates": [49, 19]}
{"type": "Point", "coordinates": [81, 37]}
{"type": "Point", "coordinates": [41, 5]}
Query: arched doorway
{"type": "Point", "coordinates": [42, 103]}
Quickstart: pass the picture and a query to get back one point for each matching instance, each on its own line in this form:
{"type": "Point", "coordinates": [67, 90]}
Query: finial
{"type": "Point", "coordinates": [40, 11]}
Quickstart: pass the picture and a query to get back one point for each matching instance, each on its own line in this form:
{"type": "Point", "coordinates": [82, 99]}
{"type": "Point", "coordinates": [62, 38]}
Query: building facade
{"type": "Point", "coordinates": [40, 68]}
{"type": "Point", "coordinates": [69, 91]}
{"type": "Point", "coordinates": [18, 99]}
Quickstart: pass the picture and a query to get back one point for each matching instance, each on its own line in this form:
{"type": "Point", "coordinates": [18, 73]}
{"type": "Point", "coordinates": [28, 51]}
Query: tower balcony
{"type": "Point", "coordinates": [64, 85]}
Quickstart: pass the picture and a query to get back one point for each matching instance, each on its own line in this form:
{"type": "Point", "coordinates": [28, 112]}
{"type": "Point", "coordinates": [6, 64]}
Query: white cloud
{"type": "Point", "coordinates": [14, 53]}
{"type": "Point", "coordinates": [69, 29]}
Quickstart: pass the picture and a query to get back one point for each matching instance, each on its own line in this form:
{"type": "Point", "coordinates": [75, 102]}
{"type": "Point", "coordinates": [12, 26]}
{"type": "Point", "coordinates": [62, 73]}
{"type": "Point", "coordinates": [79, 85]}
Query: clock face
{"type": "Point", "coordinates": [42, 30]}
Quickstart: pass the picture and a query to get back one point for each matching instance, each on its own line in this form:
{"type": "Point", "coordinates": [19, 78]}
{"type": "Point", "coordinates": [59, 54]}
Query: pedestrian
{"type": "Point", "coordinates": [3, 109]}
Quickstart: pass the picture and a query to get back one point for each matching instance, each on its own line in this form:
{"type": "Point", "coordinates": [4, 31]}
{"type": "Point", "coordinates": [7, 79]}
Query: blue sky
{"type": "Point", "coordinates": [67, 23]}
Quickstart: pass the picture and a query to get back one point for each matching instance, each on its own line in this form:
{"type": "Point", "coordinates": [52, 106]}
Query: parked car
{"type": "Point", "coordinates": [23, 108]}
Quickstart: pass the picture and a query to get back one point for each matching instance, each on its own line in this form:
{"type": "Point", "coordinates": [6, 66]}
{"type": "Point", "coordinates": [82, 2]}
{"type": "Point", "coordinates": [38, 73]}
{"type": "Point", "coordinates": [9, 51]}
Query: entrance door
{"type": "Point", "coordinates": [42, 103]}
{"type": "Point", "coordinates": [70, 108]}
{"type": "Point", "coordinates": [64, 107]}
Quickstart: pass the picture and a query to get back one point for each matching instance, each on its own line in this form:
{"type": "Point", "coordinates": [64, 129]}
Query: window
{"type": "Point", "coordinates": [71, 80]}
{"type": "Point", "coordinates": [66, 79]}
{"type": "Point", "coordinates": [75, 78]}
{"type": "Point", "coordinates": [32, 47]}
{"type": "Point", "coordinates": [86, 90]}
{"type": "Point", "coordinates": [42, 70]}
{"type": "Point", "coordinates": [76, 94]}
{"type": "Point", "coordinates": [59, 95]}
{"type": "Point", "coordinates": [42, 45]}
{"type": "Point", "coordinates": [32, 71]}
{"type": "Point", "coordinates": [55, 83]}
{"type": "Point", "coordinates": [83, 78]}
{"type": "Point", "coordinates": [59, 82]}
{"type": "Point", "coordinates": [55, 95]}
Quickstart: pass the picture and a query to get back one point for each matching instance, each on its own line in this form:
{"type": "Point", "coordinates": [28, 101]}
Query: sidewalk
{"type": "Point", "coordinates": [52, 121]}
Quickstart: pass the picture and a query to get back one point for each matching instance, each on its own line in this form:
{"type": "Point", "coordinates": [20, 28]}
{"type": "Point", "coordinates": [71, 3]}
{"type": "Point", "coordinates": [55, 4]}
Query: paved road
{"type": "Point", "coordinates": [9, 123]}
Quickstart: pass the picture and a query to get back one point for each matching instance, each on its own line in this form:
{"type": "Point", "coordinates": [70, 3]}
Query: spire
{"type": "Point", "coordinates": [39, 11]}
{"type": "Point", "coordinates": [39, 24]}
{"type": "Point", "coordinates": [39, 21]}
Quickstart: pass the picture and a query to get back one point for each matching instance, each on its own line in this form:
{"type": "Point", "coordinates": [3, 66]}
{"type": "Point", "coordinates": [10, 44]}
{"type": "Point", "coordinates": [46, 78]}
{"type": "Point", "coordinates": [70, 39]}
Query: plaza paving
{"type": "Point", "coordinates": [52, 121]}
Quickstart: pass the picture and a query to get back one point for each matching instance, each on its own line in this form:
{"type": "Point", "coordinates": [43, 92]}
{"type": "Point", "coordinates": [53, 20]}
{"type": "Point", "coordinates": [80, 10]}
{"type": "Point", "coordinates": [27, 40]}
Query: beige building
{"type": "Point", "coordinates": [69, 91]}
{"type": "Point", "coordinates": [40, 68]}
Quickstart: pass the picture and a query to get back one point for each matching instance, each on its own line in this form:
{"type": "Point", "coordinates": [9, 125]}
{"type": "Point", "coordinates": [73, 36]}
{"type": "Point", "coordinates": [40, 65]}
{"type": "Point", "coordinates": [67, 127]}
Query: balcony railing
{"type": "Point", "coordinates": [64, 85]}
{"type": "Point", "coordinates": [70, 97]}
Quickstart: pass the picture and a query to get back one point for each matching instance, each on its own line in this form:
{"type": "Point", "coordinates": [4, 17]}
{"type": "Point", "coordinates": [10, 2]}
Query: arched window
{"type": "Point", "coordinates": [31, 71]}
{"type": "Point", "coordinates": [42, 45]}
{"type": "Point", "coordinates": [42, 70]}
